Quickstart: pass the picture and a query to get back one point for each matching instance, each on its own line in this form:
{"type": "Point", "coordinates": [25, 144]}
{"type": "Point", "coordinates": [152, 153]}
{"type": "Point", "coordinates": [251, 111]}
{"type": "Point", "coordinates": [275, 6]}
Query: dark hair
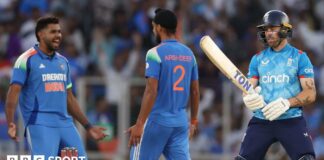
{"type": "Point", "coordinates": [43, 22]}
{"type": "Point", "coordinates": [167, 19]}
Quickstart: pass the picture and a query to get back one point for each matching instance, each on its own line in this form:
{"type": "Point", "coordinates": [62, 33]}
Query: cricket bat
{"type": "Point", "coordinates": [225, 65]}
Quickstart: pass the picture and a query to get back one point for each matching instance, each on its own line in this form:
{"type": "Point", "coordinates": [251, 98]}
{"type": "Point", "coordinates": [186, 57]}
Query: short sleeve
{"type": "Point", "coordinates": [194, 74]}
{"type": "Point", "coordinates": [68, 79]}
{"type": "Point", "coordinates": [153, 64]}
{"type": "Point", "coordinates": [305, 67]}
{"type": "Point", "coordinates": [20, 70]}
{"type": "Point", "coordinates": [253, 68]}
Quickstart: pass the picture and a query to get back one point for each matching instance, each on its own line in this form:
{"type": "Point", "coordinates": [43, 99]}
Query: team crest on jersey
{"type": "Point", "coordinates": [62, 67]}
{"type": "Point", "coordinates": [289, 62]}
{"type": "Point", "coordinates": [264, 62]}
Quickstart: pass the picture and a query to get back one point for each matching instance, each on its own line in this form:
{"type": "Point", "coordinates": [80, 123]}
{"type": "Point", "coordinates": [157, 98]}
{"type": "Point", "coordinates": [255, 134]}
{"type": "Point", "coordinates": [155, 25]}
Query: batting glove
{"type": "Point", "coordinates": [254, 101]}
{"type": "Point", "coordinates": [276, 108]}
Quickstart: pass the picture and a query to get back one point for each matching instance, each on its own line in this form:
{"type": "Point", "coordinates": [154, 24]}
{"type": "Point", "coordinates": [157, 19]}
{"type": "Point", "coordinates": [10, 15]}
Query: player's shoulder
{"type": "Point", "coordinates": [23, 58]}
{"type": "Point", "coordinates": [259, 54]}
{"type": "Point", "coordinates": [61, 57]}
{"type": "Point", "coordinates": [180, 44]}
{"type": "Point", "coordinates": [152, 54]}
{"type": "Point", "coordinates": [262, 52]}
{"type": "Point", "coordinates": [186, 48]}
{"type": "Point", "coordinates": [28, 53]}
{"type": "Point", "coordinates": [297, 51]}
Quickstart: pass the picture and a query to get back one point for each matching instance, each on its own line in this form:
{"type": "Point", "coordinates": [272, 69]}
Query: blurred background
{"type": "Point", "coordinates": [106, 41]}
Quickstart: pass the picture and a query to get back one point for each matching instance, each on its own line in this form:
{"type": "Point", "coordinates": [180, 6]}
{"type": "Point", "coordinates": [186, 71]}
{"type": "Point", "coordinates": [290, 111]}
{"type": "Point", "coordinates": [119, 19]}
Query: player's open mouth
{"type": "Point", "coordinates": [57, 41]}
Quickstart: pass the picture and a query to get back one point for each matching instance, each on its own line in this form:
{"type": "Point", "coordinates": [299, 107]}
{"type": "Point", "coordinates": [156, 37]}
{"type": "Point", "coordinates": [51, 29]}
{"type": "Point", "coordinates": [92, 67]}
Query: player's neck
{"type": "Point", "coordinates": [45, 49]}
{"type": "Point", "coordinates": [281, 45]}
{"type": "Point", "coordinates": [166, 37]}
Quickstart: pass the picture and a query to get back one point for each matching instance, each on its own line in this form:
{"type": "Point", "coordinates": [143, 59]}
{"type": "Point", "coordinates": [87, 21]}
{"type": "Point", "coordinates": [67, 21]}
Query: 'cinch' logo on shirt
{"type": "Point", "coordinates": [281, 78]}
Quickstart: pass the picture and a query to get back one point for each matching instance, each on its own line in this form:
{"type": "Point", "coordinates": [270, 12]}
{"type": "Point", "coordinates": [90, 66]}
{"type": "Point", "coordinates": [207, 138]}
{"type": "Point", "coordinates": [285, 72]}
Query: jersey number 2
{"type": "Point", "coordinates": [176, 83]}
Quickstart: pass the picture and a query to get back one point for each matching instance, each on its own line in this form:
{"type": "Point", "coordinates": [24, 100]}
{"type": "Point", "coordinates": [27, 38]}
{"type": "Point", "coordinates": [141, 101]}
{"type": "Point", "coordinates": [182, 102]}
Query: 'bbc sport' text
{"type": "Point", "coordinates": [42, 157]}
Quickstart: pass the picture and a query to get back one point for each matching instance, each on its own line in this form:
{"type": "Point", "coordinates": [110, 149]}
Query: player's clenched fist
{"type": "Point", "coordinates": [254, 101]}
{"type": "Point", "coordinates": [276, 108]}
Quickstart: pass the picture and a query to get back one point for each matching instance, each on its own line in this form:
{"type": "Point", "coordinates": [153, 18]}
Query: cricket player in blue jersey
{"type": "Point", "coordinates": [285, 75]}
{"type": "Point", "coordinates": [41, 82]}
{"type": "Point", "coordinates": [162, 126]}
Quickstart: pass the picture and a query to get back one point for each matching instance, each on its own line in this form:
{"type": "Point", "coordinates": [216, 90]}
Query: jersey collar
{"type": "Point", "coordinates": [169, 40]}
{"type": "Point", "coordinates": [43, 55]}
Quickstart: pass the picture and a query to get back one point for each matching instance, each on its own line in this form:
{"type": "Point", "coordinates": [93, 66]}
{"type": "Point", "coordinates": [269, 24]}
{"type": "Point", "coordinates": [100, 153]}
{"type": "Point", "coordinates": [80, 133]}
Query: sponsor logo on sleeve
{"type": "Point", "coordinates": [309, 70]}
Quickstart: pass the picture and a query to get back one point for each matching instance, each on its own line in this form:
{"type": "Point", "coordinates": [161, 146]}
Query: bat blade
{"type": "Point", "coordinates": [225, 65]}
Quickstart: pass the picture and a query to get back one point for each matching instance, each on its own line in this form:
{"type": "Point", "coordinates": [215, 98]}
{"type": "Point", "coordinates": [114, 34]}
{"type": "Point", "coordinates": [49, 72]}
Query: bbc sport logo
{"type": "Point", "coordinates": [42, 157]}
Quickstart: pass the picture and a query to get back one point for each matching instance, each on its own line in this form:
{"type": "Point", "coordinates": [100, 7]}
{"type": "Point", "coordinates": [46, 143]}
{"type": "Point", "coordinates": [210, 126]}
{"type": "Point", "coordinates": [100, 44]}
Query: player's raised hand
{"type": "Point", "coordinates": [12, 131]}
{"type": "Point", "coordinates": [254, 101]}
{"type": "Point", "coordinates": [97, 133]}
{"type": "Point", "coordinates": [135, 134]}
{"type": "Point", "coordinates": [276, 108]}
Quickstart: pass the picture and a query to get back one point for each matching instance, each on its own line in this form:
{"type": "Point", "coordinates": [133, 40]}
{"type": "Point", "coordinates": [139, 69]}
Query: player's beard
{"type": "Point", "coordinates": [273, 42]}
{"type": "Point", "coordinates": [158, 38]}
{"type": "Point", "coordinates": [51, 46]}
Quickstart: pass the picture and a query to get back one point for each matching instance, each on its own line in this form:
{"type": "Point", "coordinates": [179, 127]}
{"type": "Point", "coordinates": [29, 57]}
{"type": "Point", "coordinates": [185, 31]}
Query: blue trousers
{"type": "Point", "coordinates": [49, 141]}
{"type": "Point", "coordinates": [172, 142]}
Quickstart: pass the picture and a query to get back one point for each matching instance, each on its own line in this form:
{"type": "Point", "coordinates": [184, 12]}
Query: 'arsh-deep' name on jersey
{"type": "Point", "coordinates": [174, 65]}
{"type": "Point", "coordinates": [278, 74]}
{"type": "Point", "coordinates": [44, 81]}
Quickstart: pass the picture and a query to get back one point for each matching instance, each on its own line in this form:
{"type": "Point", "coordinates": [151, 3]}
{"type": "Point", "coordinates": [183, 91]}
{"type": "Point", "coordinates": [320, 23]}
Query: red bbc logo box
{"type": "Point", "coordinates": [25, 157]}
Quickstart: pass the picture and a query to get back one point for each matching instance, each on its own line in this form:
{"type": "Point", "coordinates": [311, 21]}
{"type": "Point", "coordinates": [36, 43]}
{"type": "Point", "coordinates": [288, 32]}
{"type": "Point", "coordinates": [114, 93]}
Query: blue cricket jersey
{"type": "Point", "coordinates": [44, 81]}
{"type": "Point", "coordinates": [174, 66]}
{"type": "Point", "coordinates": [278, 74]}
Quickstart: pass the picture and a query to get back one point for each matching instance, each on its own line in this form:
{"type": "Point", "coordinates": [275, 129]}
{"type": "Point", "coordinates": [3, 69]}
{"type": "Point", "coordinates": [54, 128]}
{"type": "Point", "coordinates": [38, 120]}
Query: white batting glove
{"type": "Point", "coordinates": [254, 101]}
{"type": "Point", "coordinates": [276, 108]}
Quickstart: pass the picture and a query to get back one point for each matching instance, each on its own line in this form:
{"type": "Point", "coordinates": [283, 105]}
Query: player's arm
{"type": "Point", "coordinates": [149, 97]}
{"type": "Point", "coordinates": [253, 73]}
{"type": "Point", "coordinates": [306, 74]}
{"type": "Point", "coordinates": [10, 108]}
{"type": "Point", "coordinates": [150, 94]}
{"type": "Point", "coordinates": [75, 111]}
{"type": "Point", "coordinates": [194, 100]}
{"type": "Point", "coordinates": [152, 74]}
{"type": "Point", "coordinates": [306, 96]}
{"type": "Point", "coordinates": [276, 108]}
{"type": "Point", "coordinates": [11, 102]}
